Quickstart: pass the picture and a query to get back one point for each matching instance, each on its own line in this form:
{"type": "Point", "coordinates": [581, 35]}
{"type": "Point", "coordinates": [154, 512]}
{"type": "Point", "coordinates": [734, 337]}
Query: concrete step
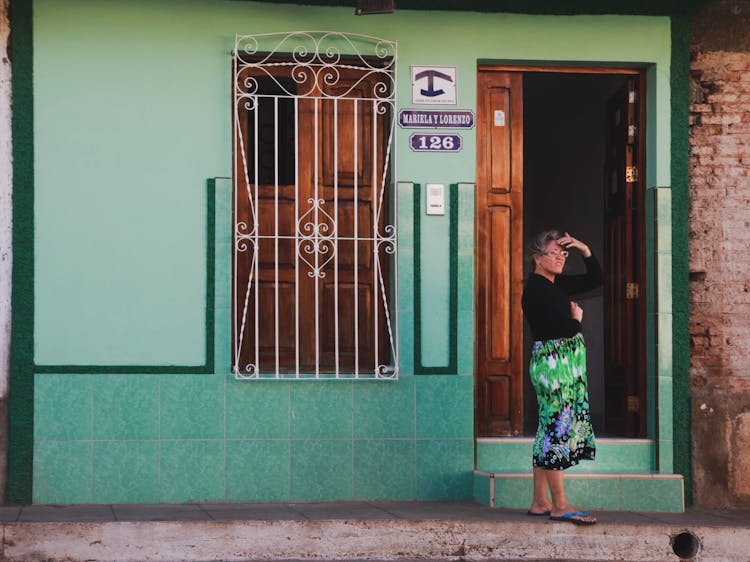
{"type": "Point", "coordinates": [360, 531]}
{"type": "Point", "coordinates": [613, 455]}
{"type": "Point", "coordinates": [623, 477]}
{"type": "Point", "coordinates": [612, 491]}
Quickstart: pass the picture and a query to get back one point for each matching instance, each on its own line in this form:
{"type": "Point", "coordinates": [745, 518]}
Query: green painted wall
{"type": "Point", "coordinates": [131, 116]}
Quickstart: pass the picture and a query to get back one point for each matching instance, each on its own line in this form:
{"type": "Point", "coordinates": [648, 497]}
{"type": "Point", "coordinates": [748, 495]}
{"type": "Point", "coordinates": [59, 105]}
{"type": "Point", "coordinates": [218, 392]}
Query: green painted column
{"type": "Point", "coordinates": [679, 82]}
{"type": "Point", "coordinates": [21, 405]}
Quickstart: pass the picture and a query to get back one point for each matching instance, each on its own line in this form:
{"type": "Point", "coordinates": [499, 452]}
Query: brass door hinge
{"type": "Point", "coordinates": [631, 174]}
{"type": "Point", "coordinates": [634, 403]}
{"type": "Point", "coordinates": [631, 291]}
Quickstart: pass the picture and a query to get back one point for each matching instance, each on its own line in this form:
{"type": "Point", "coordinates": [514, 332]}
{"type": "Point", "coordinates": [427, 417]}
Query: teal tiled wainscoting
{"type": "Point", "coordinates": [110, 438]}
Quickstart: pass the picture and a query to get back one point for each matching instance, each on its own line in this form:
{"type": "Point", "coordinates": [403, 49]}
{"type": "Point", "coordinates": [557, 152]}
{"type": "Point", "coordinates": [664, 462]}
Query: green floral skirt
{"type": "Point", "coordinates": [558, 373]}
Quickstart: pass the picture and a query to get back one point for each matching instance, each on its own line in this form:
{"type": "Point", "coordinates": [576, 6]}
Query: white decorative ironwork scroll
{"type": "Point", "coordinates": [308, 104]}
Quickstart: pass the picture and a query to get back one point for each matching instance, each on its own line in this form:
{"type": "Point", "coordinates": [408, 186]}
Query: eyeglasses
{"type": "Point", "coordinates": [556, 253]}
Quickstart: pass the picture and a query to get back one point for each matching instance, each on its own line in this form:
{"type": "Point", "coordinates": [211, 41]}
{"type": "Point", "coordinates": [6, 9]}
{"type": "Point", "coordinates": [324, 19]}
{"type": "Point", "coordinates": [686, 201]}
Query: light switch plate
{"type": "Point", "coordinates": [435, 199]}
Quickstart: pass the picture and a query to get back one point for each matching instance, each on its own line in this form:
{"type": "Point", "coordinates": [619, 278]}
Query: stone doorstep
{"type": "Point", "coordinates": [608, 491]}
{"type": "Point", "coordinates": [358, 539]}
{"type": "Point", "coordinates": [621, 455]}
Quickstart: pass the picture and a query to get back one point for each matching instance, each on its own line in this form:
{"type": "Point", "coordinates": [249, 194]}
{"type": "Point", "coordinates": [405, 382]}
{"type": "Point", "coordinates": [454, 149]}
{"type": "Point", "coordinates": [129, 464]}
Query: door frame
{"type": "Point", "coordinates": [641, 72]}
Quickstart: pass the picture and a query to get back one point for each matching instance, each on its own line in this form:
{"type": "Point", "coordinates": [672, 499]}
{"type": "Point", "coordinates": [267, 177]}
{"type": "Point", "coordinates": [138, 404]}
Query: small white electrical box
{"type": "Point", "coordinates": [435, 199]}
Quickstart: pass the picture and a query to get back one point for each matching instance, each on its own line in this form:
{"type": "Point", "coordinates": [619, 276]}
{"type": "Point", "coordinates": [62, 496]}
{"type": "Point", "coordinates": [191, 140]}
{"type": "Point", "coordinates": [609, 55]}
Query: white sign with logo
{"type": "Point", "coordinates": [433, 85]}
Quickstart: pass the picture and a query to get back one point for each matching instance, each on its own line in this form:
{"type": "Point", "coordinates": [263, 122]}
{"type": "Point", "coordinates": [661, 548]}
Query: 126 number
{"type": "Point", "coordinates": [436, 143]}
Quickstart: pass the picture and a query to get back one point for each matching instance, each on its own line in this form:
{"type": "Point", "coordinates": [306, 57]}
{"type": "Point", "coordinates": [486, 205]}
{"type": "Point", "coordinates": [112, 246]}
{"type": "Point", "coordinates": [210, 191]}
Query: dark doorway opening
{"type": "Point", "coordinates": [567, 135]}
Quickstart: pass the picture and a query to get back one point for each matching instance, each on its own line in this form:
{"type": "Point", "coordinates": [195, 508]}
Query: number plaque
{"type": "Point", "coordinates": [420, 142]}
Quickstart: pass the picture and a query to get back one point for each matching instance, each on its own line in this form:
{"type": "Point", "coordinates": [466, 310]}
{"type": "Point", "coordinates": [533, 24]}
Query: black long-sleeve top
{"type": "Point", "coordinates": [546, 305]}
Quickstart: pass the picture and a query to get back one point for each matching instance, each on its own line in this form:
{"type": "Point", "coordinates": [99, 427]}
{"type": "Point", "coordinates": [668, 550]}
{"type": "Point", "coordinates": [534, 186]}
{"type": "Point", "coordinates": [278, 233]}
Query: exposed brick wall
{"type": "Point", "coordinates": [719, 263]}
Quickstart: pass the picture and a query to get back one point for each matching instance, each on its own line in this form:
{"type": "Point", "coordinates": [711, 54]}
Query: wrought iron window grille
{"type": "Point", "coordinates": [315, 260]}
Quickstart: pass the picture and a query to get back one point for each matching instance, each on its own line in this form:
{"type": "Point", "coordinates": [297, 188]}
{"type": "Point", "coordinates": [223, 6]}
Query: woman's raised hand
{"type": "Point", "coordinates": [569, 242]}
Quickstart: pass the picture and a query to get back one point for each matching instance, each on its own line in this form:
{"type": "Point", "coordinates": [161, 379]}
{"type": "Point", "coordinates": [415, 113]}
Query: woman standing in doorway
{"type": "Point", "coordinates": [558, 370]}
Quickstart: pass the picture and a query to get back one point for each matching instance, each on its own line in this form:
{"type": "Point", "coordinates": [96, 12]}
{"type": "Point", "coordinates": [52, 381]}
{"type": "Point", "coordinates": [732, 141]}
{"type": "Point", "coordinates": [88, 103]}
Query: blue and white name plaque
{"type": "Point", "coordinates": [436, 119]}
{"type": "Point", "coordinates": [437, 142]}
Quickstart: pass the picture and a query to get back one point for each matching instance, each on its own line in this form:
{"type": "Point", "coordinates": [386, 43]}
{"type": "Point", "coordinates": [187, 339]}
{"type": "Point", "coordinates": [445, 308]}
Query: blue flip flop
{"type": "Point", "coordinates": [574, 517]}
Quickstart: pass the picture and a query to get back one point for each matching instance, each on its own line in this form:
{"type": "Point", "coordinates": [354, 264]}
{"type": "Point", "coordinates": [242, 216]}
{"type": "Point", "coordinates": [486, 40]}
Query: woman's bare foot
{"type": "Point", "coordinates": [570, 515]}
{"type": "Point", "coordinates": [540, 509]}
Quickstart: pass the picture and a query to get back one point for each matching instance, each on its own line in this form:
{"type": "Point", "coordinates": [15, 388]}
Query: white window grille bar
{"type": "Point", "coordinates": [244, 238]}
{"type": "Point", "coordinates": [256, 228]}
{"type": "Point", "coordinates": [296, 239]}
{"type": "Point", "coordinates": [336, 233]}
{"type": "Point", "coordinates": [244, 315]}
{"type": "Point", "coordinates": [275, 230]}
{"type": "Point", "coordinates": [356, 245]}
{"type": "Point", "coordinates": [316, 246]}
{"type": "Point", "coordinates": [390, 243]}
{"type": "Point", "coordinates": [375, 260]}
{"type": "Point", "coordinates": [235, 172]}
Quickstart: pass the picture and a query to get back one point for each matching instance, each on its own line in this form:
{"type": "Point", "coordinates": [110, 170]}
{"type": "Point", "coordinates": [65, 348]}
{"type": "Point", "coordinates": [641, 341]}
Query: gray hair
{"type": "Point", "coordinates": [539, 243]}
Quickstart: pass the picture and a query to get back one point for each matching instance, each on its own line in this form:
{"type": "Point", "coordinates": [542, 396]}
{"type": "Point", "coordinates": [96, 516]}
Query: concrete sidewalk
{"type": "Point", "coordinates": [362, 531]}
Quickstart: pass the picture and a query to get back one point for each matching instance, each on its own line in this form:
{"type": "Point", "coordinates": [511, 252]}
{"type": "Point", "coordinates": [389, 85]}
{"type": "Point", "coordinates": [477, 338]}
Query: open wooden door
{"type": "Point", "coordinates": [625, 379]}
{"type": "Point", "coordinates": [499, 253]}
